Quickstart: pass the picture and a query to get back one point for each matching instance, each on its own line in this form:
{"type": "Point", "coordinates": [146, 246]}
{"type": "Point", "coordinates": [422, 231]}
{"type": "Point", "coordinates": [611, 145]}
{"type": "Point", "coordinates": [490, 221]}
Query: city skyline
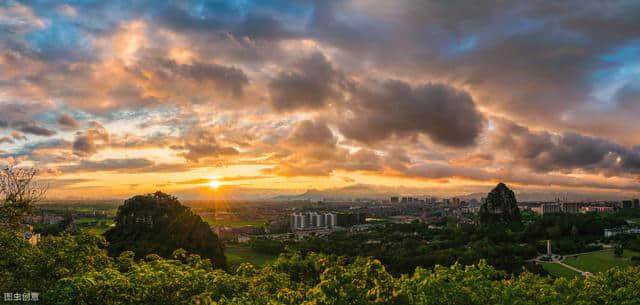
{"type": "Point", "coordinates": [244, 99]}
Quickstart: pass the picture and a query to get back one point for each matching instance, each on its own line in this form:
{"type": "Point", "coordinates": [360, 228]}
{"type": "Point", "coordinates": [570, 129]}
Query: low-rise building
{"type": "Point", "coordinates": [570, 207]}
{"type": "Point", "coordinates": [623, 230]}
{"type": "Point", "coordinates": [547, 208]}
{"type": "Point", "coordinates": [598, 209]}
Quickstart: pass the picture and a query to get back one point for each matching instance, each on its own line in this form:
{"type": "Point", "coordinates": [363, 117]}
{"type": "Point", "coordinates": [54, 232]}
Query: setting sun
{"type": "Point", "coordinates": [214, 184]}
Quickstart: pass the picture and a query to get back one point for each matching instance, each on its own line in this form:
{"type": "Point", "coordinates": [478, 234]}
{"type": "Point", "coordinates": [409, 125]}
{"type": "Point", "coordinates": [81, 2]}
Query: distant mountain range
{"type": "Point", "coordinates": [364, 191]}
{"type": "Point", "coordinates": [383, 192]}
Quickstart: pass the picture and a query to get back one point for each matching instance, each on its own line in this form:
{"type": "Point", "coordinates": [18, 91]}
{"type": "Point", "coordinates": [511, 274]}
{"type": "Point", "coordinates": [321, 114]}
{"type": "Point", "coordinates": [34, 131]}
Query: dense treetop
{"type": "Point", "coordinates": [75, 270]}
{"type": "Point", "coordinates": [501, 207]}
{"type": "Point", "coordinates": [157, 223]}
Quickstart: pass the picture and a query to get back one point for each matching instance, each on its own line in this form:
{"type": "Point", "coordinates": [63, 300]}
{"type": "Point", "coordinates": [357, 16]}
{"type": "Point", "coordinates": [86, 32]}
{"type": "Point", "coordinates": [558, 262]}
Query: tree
{"type": "Point", "coordinates": [76, 270]}
{"type": "Point", "coordinates": [18, 192]}
{"type": "Point", "coordinates": [501, 207]}
{"type": "Point", "coordinates": [158, 223]}
{"type": "Point", "coordinates": [618, 250]}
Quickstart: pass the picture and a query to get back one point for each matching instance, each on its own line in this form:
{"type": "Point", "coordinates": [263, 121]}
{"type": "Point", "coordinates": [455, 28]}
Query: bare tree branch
{"type": "Point", "coordinates": [18, 184]}
{"type": "Point", "coordinates": [18, 192]}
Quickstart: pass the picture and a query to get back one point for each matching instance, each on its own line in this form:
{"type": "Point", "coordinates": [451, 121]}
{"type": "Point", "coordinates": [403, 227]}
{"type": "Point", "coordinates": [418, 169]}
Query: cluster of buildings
{"type": "Point", "coordinates": [570, 207]}
{"type": "Point", "coordinates": [426, 200]}
{"type": "Point", "coordinates": [575, 207]}
{"type": "Point", "coordinates": [313, 220]}
{"type": "Point", "coordinates": [621, 230]}
{"type": "Point", "coordinates": [558, 207]}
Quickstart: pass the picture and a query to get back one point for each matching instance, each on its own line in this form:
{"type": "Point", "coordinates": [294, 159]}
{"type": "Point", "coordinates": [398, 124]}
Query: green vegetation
{"type": "Point", "coordinates": [237, 254]}
{"type": "Point", "coordinates": [102, 226]}
{"type": "Point", "coordinates": [508, 247]}
{"type": "Point", "coordinates": [600, 261]}
{"type": "Point", "coordinates": [233, 223]}
{"type": "Point", "coordinates": [635, 220]}
{"type": "Point", "coordinates": [158, 224]}
{"type": "Point", "coordinates": [500, 207]}
{"type": "Point", "coordinates": [69, 270]}
{"type": "Point", "coordinates": [403, 247]}
{"type": "Point", "coordinates": [558, 270]}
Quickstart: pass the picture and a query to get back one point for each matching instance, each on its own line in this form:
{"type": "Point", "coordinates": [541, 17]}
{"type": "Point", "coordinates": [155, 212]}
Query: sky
{"type": "Point", "coordinates": [256, 98]}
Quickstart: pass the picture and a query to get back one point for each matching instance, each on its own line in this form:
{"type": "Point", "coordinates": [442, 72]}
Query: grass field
{"type": "Point", "coordinates": [559, 270]}
{"type": "Point", "coordinates": [600, 261]}
{"type": "Point", "coordinates": [233, 223]}
{"type": "Point", "coordinates": [98, 230]}
{"type": "Point", "coordinates": [237, 254]}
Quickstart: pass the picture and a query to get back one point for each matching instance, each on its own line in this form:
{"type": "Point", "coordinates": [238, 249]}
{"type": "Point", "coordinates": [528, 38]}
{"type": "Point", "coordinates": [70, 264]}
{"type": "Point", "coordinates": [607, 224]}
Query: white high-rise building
{"type": "Point", "coordinates": [313, 220]}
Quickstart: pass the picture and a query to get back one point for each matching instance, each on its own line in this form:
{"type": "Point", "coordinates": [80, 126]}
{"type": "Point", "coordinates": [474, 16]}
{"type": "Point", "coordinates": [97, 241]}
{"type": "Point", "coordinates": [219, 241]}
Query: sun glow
{"type": "Point", "coordinates": [214, 184]}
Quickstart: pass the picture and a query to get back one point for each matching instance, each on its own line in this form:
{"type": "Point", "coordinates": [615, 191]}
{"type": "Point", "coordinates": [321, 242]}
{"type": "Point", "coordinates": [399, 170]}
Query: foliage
{"type": "Point", "coordinates": [500, 207]}
{"type": "Point", "coordinates": [403, 247]}
{"type": "Point", "coordinates": [56, 228]}
{"type": "Point", "coordinates": [267, 246]}
{"type": "Point", "coordinates": [618, 251]}
{"type": "Point", "coordinates": [158, 223]}
{"type": "Point", "coordinates": [77, 270]}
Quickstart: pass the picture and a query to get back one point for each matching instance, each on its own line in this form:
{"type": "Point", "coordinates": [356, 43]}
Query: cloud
{"type": "Point", "coordinates": [195, 181]}
{"type": "Point", "coordinates": [18, 136]}
{"type": "Point", "coordinates": [85, 142]}
{"type": "Point", "coordinates": [34, 129]}
{"type": "Point", "coordinates": [111, 164]}
{"type": "Point", "coordinates": [67, 120]}
{"type": "Point", "coordinates": [18, 18]}
{"type": "Point", "coordinates": [228, 80]}
{"type": "Point", "coordinates": [311, 84]}
{"type": "Point", "coordinates": [6, 140]}
{"type": "Point", "coordinates": [202, 144]}
{"type": "Point", "coordinates": [311, 133]}
{"type": "Point", "coordinates": [312, 88]}
{"type": "Point", "coordinates": [446, 115]}
{"type": "Point", "coordinates": [568, 151]}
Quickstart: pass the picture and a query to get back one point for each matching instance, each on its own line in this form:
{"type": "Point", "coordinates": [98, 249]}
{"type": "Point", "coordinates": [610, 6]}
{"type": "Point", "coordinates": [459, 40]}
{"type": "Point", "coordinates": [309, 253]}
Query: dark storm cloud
{"type": "Point", "coordinates": [543, 151]}
{"type": "Point", "coordinates": [67, 120]}
{"type": "Point", "coordinates": [309, 86]}
{"type": "Point", "coordinates": [627, 98]}
{"type": "Point", "coordinates": [533, 60]}
{"type": "Point", "coordinates": [83, 145]}
{"type": "Point", "coordinates": [228, 79]}
{"type": "Point", "coordinates": [311, 132]}
{"type": "Point", "coordinates": [445, 114]}
{"type": "Point", "coordinates": [34, 129]}
{"type": "Point", "coordinates": [107, 165]}
{"type": "Point", "coordinates": [262, 27]}
{"type": "Point", "coordinates": [32, 150]}
{"type": "Point", "coordinates": [202, 144]}
{"type": "Point", "coordinates": [85, 142]}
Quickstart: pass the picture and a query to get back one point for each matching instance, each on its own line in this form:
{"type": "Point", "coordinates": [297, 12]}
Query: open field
{"type": "Point", "coordinates": [237, 254]}
{"type": "Point", "coordinates": [98, 231]}
{"type": "Point", "coordinates": [600, 261]}
{"type": "Point", "coordinates": [559, 270]}
{"type": "Point", "coordinates": [103, 224]}
{"type": "Point", "coordinates": [233, 223]}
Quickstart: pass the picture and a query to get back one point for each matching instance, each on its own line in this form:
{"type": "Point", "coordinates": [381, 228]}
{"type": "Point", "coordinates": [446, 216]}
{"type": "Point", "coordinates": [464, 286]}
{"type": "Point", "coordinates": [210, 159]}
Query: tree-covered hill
{"type": "Point", "coordinates": [157, 223]}
{"type": "Point", "coordinates": [76, 270]}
